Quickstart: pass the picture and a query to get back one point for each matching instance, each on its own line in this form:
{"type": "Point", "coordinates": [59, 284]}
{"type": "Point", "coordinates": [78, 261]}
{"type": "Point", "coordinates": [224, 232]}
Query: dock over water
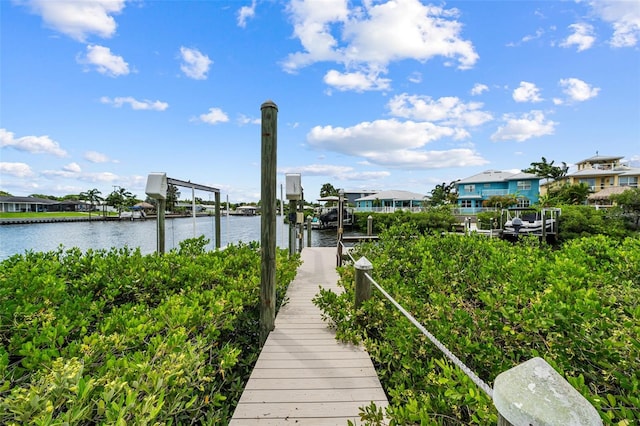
{"type": "Point", "coordinates": [304, 376]}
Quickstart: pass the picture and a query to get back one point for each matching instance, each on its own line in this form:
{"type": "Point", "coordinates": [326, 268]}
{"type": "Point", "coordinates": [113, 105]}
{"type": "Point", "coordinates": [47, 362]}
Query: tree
{"type": "Point", "coordinates": [503, 201]}
{"type": "Point", "coordinates": [572, 194]}
{"type": "Point", "coordinates": [444, 194]}
{"type": "Point", "coordinates": [546, 170]}
{"type": "Point", "coordinates": [91, 196]}
{"type": "Point", "coordinates": [172, 196]}
{"type": "Point", "coordinates": [328, 190]}
{"type": "Point", "coordinates": [120, 199]}
{"type": "Point", "coordinates": [629, 202]}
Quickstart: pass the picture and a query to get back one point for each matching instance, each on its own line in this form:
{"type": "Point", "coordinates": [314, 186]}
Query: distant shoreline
{"type": "Point", "coordinates": [95, 218]}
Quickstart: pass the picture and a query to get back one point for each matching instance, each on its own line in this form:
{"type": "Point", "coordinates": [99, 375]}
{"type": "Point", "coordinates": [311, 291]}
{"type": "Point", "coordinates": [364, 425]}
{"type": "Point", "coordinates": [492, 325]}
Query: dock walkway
{"type": "Point", "coordinates": [304, 376]}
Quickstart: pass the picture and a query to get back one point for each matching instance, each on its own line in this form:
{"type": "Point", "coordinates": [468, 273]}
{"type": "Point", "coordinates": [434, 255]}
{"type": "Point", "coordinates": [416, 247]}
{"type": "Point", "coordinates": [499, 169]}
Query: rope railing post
{"type": "Point", "coordinates": [369, 225]}
{"type": "Point", "coordinates": [363, 286]}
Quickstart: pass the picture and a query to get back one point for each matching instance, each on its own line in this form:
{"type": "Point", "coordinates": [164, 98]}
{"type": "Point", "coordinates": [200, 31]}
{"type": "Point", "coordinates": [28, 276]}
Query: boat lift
{"type": "Point", "coordinates": [157, 184]}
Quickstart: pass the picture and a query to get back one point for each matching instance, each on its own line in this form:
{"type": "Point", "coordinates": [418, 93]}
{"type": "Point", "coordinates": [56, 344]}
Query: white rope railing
{"type": "Point", "coordinates": [474, 378]}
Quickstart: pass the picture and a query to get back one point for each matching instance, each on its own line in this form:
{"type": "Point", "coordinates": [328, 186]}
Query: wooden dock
{"type": "Point", "coordinates": [304, 376]}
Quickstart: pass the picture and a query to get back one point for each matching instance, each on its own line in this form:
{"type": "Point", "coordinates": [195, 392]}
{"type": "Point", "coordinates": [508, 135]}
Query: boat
{"type": "Point", "coordinates": [328, 218]}
{"type": "Point", "coordinates": [527, 221]}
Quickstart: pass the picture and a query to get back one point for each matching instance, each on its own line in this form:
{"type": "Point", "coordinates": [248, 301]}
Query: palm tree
{"type": "Point", "coordinates": [120, 198]}
{"type": "Point", "coordinates": [92, 197]}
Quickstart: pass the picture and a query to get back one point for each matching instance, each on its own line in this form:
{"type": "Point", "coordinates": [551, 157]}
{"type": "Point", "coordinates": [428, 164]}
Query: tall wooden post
{"type": "Point", "coordinates": [217, 244]}
{"type": "Point", "coordinates": [162, 205]}
{"type": "Point", "coordinates": [268, 236]}
{"type": "Point", "coordinates": [293, 213]}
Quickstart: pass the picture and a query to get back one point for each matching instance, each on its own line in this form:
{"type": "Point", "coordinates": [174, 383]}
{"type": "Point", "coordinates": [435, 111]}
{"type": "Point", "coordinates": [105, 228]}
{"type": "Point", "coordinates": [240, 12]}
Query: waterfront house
{"type": "Point", "coordinates": [390, 201]}
{"type": "Point", "coordinates": [350, 196]}
{"type": "Point", "coordinates": [13, 204]}
{"type": "Point", "coordinates": [473, 191]}
{"type": "Point", "coordinates": [604, 173]}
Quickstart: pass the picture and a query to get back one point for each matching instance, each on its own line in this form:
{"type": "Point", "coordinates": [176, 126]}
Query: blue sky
{"type": "Point", "coordinates": [374, 94]}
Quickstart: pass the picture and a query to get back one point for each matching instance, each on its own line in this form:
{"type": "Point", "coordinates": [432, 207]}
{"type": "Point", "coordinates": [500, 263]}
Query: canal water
{"type": "Point", "coordinates": [16, 239]}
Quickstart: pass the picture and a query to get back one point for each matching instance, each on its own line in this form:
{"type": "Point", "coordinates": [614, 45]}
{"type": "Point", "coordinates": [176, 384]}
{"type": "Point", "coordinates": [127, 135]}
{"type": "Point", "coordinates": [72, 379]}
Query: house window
{"type": "Point", "coordinates": [465, 203]}
{"type": "Point", "coordinates": [591, 182]}
{"type": "Point", "coordinates": [628, 181]}
{"type": "Point", "coordinates": [470, 188]}
{"type": "Point", "coordinates": [524, 185]}
{"type": "Point", "coordinates": [523, 202]}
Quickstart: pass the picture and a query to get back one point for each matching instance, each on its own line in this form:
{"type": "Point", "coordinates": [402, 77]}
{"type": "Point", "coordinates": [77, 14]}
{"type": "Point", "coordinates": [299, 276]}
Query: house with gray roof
{"type": "Point", "coordinates": [474, 190]}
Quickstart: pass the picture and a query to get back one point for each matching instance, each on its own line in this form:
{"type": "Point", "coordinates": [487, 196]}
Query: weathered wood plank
{"type": "Point", "coordinates": [311, 395]}
{"type": "Point", "coordinates": [312, 410]}
{"type": "Point", "coordinates": [312, 373]}
{"type": "Point", "coordinates": [264, 363]}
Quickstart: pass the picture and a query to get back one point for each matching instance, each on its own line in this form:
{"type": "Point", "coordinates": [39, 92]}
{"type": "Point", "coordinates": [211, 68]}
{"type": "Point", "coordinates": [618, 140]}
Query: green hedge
{"type": "Point", "coordinates": [112, 336]}
{"type": "Point", "coordinates": [495, 305]}
{"type": "Point", "coordinates": [431, 220]}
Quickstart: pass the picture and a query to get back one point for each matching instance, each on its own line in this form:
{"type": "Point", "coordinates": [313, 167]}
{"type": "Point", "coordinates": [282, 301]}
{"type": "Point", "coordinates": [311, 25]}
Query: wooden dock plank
{"type": "Point", "coordinates": [304, 375]}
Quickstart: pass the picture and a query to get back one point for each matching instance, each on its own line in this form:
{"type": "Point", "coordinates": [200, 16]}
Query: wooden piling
{"type": "Point", "coordinates": [268, 236]}
{"type": "Point", "coordinates": [363, 285]}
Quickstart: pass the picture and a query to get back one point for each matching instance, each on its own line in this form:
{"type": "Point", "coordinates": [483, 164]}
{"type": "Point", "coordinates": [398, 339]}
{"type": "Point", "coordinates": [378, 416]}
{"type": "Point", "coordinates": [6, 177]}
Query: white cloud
{"type": "Point", "coordinates": [72, 167]}
{"type": "Point", "coordinates": [415, 77]}
{"type": "Point", "coordinates": [214, 116]}
{"type": "Point", "coordinates": [31, 144]}
{"type": "Point", "coordinates": [370, 36]}
{"type": "Point", "coordinates": [447, 110]}
{"type": "Point", "coordinates": [105, 62]}
{"type": "Point", "coordinates": [96, 157]}
{"type": "Point", "coordinates": [101, 177]}
{"type": "Point", "coordinates": [79, 19]}
{"type": "Point", "coordinates": [390, 143]}
{"type": "Point", "coordinates": [582, 37]}
{"type": "Point", "coordinates": [577, 90]}
{"type": "Point", "coordinates": [532, 124]}
{"type": "Point", "coordinates": [135, 104]}
{"type": "Point", "coordinates": [337, 172]}
{"type": "Point", "coordinates": [195, 64]}
{"type": "Point", "coordinates": [624, 16]}
{"type": "Point", "coordinates": [479, 88]}
{"type": "Point", "coordinates": [527, 92]}
{"type": "Point", "coordinates": [245, 13]}
{"type": "Point", "coordinates": [20, 170]}
{"type": "Point", "coordinates": [356, 81]}
{"type": "Point", "coordinates": [243, 120]}
{"type": "Point", "coordinates": [409, 159]}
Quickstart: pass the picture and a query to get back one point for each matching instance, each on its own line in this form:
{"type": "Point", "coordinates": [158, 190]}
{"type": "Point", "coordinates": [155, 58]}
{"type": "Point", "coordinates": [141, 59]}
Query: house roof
{"type": "Point", "coordinates": [394, 195]}
{"type": "Point", "coordinates": [600, 158]}
{"type": "Point", "coordinates": [523, 176]}
{"type": "Point", "coordinates": [604, 194]}
{"type": "Point", "coordinates": [27, 200]}
{"type": "Point", "coordinates": [622, 171]}
{"type": "Point", "coordinates": [495, 176]}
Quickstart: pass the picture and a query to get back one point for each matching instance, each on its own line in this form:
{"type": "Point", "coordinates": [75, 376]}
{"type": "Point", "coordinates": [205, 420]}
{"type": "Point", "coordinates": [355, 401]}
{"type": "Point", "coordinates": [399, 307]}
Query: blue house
{"type": "Point", "coordinates": [474, 190]}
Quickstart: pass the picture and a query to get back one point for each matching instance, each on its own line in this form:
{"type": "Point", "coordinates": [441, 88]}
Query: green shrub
{"type": "Point", "coordinates": [115, 337]}
{"type": "Point", "coordinates": [495, 305]}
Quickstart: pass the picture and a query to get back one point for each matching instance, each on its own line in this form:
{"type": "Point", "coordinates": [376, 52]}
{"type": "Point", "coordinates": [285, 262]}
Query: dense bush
{"type": "Point", "coordinates": [495, 305]}
{"type": "Point", "coordinates": [431, 220]}
{"type": "Point", "coordinates": [112, 336]}
{"type": "Point", "coordinates": [582, 221]}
